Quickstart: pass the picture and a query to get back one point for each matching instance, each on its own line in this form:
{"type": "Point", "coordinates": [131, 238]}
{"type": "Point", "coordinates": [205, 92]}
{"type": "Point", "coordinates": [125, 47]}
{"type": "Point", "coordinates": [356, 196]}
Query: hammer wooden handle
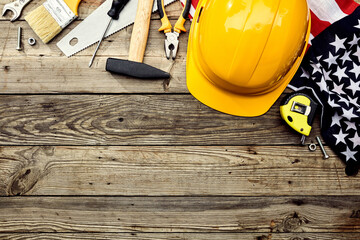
{"type": "Point", "coordinates": [140, 31]}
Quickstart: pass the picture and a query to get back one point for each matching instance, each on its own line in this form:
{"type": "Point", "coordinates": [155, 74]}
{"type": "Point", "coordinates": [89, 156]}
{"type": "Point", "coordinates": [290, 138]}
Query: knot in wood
{"type": "Point", "coordinates": [291, 223]}
{"type": "Point", "coordinates": [24, 181]}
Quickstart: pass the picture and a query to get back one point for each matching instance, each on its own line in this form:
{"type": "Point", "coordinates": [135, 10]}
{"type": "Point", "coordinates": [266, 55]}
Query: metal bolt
{"type": "Point", "coordinates": [322, 148]}
{"type": "Point", "coordinates": [19, 39]}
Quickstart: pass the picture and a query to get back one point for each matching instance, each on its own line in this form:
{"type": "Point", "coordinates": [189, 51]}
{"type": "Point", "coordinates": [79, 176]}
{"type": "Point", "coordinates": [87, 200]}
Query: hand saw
{"type": "Point", "coordinates": [88, 31]}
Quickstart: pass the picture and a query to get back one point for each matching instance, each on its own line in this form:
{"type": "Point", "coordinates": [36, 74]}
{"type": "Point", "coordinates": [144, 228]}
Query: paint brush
{"type": "Point", "coordinates": [51, 17]}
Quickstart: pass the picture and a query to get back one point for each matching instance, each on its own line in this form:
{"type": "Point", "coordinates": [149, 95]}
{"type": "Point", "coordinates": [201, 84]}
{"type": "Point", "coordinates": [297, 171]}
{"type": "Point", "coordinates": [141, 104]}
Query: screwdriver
{"type": "Point", "coordinates": [114, 12]}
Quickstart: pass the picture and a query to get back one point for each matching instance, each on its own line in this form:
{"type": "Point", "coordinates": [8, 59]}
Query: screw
{"type": "Point", "coordinates": [322, 148]}
{"type": "Point", "coordinates": [303, 138]}
{"type": "Point", "coordinates": [19, 39]}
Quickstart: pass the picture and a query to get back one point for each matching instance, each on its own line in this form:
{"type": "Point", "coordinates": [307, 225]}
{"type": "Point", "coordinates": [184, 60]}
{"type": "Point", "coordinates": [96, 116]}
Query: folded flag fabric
{"type": "Point", "coordinates": [331, 71]}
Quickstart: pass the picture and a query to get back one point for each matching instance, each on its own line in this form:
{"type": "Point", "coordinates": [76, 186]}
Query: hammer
{"type": "Point", "coordinates": [134, 67]}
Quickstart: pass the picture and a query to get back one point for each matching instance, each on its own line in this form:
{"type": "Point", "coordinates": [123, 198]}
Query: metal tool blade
{"type": "Point", "coordinates": [88, 32]}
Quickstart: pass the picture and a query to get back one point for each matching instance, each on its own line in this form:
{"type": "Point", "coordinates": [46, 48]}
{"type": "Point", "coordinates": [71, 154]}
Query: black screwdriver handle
{"type": "Point", "coordinates": [116, 7]}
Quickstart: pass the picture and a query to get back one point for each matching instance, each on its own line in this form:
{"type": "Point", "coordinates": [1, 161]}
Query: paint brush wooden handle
{"type": "Point", "coordinates": [140, 31]}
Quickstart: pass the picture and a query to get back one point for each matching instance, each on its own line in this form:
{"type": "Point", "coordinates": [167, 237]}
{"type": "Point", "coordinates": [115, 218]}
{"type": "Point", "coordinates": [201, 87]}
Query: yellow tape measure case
{"type": "Point", "coordinates": [299, 110]}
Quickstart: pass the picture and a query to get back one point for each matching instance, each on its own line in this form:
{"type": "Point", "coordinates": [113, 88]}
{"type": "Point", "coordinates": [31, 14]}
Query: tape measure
{"type": "Point", "coordinates": [298, 110]}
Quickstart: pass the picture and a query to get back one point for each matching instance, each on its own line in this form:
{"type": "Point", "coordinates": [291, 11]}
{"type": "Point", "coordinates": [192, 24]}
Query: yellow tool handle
{"type": "Point", "coordinates": [73, 5]}
{"type": "Point", "coordinates": [166, 25]}
{"type": "Point", "coordinates": [179, 26]}
{"type": "Point", "coordinates": [140, 31]}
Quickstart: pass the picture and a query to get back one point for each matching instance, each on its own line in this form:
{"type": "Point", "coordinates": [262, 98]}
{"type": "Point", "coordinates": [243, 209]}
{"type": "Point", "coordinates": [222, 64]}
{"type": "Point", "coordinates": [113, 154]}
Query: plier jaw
{"type": "Point", "coordinates": [171, 44]}
{"type": "Point", "coordinates": [172, 36]}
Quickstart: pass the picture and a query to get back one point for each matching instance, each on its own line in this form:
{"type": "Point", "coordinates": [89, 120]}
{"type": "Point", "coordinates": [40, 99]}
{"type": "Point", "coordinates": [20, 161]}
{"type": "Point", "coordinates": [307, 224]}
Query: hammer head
{"type": "Point", "coordinates": [134, 69]}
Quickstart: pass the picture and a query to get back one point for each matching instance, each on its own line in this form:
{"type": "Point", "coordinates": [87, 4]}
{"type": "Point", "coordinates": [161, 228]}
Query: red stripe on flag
{"type": "Point", "coordinates": [195, 3]}
{"type": "Point", "coordinates": [347, 6]}
{"type": "Point", "coordinates": [317, 26]}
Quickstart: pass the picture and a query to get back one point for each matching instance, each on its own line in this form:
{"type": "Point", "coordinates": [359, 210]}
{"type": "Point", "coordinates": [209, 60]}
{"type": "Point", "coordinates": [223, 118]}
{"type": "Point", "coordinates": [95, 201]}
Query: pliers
{"type": "Point", "coordinates": [172, 37]}
{"type": "Point", "coordinates": [15, 7]}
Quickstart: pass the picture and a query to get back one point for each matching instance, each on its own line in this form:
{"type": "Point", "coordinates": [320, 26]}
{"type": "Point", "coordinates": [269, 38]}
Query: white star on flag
{"type": "Point", "coordinates": [355, 140]}
{"type": "Point", "coordinates": [344, 100]}
{"type": "Point", "coordinates": [346, 57]}
{"type": "Point", "coordinates": [355, 70]}
{"type": "Point", "coordinates": [350, 125]}
{"type": "Point", "coordinates": [338, 43]}
{"type": "Point", "coordinates": [333, 104]}
{"type": "Point", "coordinates": [353, 87]}
{"type": "Point", "coordinates": [305, 74]}
{"type": "Point", "coordinates": [323, 85]}
{"type": "Point", "coordinates": [315, 68]}
{"type": "Point", "coordinates": [340, 73]}
{"type": "Point", "coordinates": [331, 60]}
{"type": "Point", "coordinates": [354, 42]}
{"type": "Point", "coordinates": [338, 89]}
{"type": "Point", "coordinates": [349, 114]}
{"type": "Point", "coordinates": [340, 138]}
{"type": "Point", "coordinates": [357, 53]}
{"type": "Point", "coordinates": [354, 101]}
{"type": "Point", "coordinates": [357, 26]}
{"type": "Point", "coordinates": [349, 154]}
{"type": "Point", "coordinates": [327, 75]}
{"type": "Point", "coordinates": [336, 120]}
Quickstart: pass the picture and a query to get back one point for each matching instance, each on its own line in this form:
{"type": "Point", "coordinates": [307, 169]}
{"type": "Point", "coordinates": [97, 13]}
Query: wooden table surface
{"type": "Point", "coordinates": [89, 155]}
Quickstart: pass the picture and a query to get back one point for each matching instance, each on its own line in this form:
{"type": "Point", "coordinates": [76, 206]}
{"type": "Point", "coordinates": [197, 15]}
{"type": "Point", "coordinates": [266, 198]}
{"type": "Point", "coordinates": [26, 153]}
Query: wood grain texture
{"type": "Point", "coordinates": [76, 77]}
{"type": "Point", "coordinates": [86, 7]}
{"type": "Point", "coordinates": [171, 171]}
{"type": "Point", "coordinates": [180, 214]}
{"type": "Point", "coordinates": [44, 69]}
{"type": "Point", "coordinates": [140, 31]}
{"type": "Point", "coordinates": [190, 172]}
{"type": "Point", "coordinates": [133, 120]}
{"type": "Point", "coordinates": [184, 236]}
{"type": "Point", "coordinates": [115, 45]}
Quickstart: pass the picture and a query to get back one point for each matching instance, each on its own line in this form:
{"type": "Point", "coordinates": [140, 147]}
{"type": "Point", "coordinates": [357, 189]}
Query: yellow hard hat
{"type": "Point", "coordinates": [242, 54]}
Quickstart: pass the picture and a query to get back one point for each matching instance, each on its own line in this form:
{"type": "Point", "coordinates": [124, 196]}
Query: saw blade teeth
{"type": "Point", "coordinates": [61, 45]}
{"type": "Point", "coordinates": [97, 41]}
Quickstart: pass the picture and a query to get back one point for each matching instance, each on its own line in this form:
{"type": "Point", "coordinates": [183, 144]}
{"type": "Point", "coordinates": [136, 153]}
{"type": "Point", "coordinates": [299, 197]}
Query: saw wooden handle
{"type": "Point", "coordinates": [140, 31]}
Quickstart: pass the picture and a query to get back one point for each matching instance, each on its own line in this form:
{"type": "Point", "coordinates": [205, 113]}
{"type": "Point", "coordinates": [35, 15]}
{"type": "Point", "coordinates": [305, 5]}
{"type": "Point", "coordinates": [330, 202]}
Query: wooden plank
{"type": "Point", "coordinates": [184, 236]}
{"type": "Point", "coordinates": [86, 8]}
{"type": "Point", "coordinates": [175, 171]}
{"type": "Point", "coordinates": [75, 77]}
{"type": "Point", "coordinates": [133, 120]}
{"type": "Point", "coordinates": [44, 69]}
{"type": "Point", "coordinates": [180, 214]}
{"type": "Point", "coordinates": [117, 45]}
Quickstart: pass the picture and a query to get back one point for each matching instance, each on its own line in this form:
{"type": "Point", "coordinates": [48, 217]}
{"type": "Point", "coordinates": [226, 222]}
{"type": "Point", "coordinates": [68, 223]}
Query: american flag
{"type": "Point", "coordinates": [330, 72]}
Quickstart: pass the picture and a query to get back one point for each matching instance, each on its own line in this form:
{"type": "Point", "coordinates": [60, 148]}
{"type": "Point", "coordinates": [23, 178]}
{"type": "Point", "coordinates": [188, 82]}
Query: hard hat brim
{"type": "Point", "coordinates": [230, 102]}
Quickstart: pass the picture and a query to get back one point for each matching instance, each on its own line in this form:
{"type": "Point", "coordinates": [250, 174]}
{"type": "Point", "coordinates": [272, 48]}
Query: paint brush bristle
{"type": "Point", "coordinates": [51, 17]}
{"type": "Point", "coordinates": [43, 24]}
